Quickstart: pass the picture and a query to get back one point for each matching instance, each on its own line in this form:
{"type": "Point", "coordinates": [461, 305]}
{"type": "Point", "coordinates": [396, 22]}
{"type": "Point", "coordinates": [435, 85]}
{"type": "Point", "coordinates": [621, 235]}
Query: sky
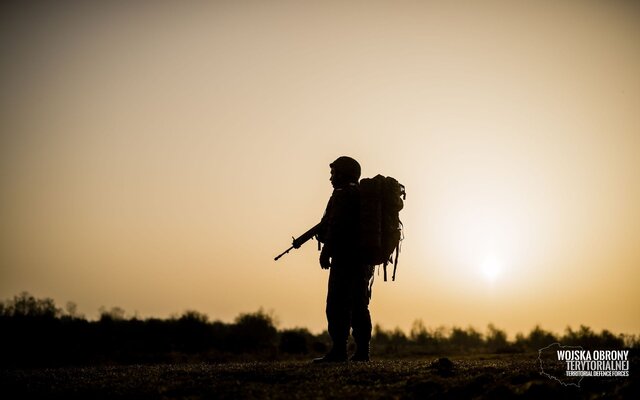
{"type": "Point", "coordinates": [157, 157]}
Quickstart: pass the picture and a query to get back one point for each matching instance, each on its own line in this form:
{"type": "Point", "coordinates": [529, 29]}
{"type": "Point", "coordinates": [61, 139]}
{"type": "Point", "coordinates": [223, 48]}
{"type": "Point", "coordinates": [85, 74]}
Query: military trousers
{"type": "Point", "coordinates": [348, 298]}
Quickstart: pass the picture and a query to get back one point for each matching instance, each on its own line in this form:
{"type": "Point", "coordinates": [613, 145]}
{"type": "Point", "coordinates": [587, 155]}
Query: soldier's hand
{"type": "Point", "coordinates": [325, 260]}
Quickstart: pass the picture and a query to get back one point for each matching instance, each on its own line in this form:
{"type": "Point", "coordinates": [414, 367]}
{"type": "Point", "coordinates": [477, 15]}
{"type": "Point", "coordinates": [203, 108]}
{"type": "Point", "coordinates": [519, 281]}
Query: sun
{"type": "Point", "coordinates": [491, 269]}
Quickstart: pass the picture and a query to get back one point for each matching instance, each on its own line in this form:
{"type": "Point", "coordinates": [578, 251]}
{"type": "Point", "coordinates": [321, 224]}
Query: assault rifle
{"type": "Point", "coordinates": [302, 239]}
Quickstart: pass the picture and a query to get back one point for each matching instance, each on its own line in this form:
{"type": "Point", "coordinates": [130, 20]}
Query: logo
{"type": "Point", "coordinates": [570, 364]}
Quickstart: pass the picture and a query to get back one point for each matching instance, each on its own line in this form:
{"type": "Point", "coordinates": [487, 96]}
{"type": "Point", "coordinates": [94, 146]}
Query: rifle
{"type": "Point", "coordinates": [302, 239]}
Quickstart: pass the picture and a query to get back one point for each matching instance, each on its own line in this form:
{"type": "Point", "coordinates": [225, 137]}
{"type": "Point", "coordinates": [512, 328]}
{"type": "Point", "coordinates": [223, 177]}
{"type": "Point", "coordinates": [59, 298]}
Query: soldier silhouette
{"type": "Point", "coordinates": [348, 289]}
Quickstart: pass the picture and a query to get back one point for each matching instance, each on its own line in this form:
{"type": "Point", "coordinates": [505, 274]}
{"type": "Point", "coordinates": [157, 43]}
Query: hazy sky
{"type": "Point", "coordinates": [157, 157]}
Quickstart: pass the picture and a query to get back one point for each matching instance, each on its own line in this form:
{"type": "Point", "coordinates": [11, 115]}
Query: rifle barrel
{"type": "Point", "coordinates": [302, 239]}
{"type": "Point", "coordinates": [283, 253]}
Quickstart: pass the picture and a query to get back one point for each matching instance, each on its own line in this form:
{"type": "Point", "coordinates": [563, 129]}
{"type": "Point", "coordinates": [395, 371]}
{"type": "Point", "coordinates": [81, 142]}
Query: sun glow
{"type": "Point", "coordinates": [491, 269]}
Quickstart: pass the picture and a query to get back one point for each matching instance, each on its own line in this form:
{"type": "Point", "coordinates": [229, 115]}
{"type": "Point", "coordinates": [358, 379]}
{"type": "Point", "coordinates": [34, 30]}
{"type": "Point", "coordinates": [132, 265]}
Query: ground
{"type": "Point", "coordinates": [490, 376]}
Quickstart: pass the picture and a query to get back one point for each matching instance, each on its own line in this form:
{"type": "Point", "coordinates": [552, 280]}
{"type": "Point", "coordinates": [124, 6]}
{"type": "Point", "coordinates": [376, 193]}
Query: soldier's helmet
{"type": "Point", "coordinates": [347, 167]}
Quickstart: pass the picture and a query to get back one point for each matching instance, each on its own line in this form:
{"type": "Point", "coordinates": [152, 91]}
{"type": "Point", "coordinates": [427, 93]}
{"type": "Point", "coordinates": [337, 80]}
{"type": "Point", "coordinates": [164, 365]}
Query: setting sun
{"type": "Point", "coordinates": [491, 269]}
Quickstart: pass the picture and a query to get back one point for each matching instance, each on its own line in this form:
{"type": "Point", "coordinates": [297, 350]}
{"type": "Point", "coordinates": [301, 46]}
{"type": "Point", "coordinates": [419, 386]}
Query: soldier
{"type": "Point", "coordinates": [348, 290]}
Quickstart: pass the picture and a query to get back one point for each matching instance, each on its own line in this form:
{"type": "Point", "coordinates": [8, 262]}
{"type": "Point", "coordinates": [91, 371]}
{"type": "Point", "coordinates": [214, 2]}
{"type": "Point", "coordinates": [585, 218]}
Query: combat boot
{"type": "Point", "coordinates": [335, 355]}
{"type": "Point", "coordinates": [361, 354]}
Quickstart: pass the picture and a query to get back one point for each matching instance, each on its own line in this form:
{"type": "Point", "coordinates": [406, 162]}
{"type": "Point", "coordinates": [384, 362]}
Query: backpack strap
{"type": "Point", "coordinates": [395, 263]}
{"type": "Point", "coordinates": [373, 275]}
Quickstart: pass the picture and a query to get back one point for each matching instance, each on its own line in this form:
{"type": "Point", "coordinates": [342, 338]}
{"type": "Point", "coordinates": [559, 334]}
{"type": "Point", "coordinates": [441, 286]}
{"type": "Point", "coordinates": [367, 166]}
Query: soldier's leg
{"type": "Point", "coordinates": [338, 314]}
{"type": "Point", "coordinates": [361, 318]}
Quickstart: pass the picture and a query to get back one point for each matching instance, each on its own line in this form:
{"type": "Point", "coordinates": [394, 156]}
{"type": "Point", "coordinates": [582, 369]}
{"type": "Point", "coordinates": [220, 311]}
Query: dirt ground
{"type": "Point", "coordinates": [491, 377]}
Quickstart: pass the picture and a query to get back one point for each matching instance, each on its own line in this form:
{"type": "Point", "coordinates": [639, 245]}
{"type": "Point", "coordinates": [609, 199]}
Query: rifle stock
{"type": "Point", "coordinates": [300, 240]}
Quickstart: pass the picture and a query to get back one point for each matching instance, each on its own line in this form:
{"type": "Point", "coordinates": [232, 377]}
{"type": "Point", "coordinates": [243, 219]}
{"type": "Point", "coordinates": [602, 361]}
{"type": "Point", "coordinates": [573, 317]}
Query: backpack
{"type": "Point", "coordinates": [381, 199]}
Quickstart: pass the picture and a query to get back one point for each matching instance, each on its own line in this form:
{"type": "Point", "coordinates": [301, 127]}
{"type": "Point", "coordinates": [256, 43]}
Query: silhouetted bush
{"type": "Point", "coordinates": [588, 339]}
{"type": "Point", "coordinates": [253, 332]}
{"type": "Point", "coordinates": [295, 341]}
{"type": "Point", "coordinates": [461, 341]}
{"type": "Point", "coordinates": [496, 340]}
{"type": "Point", "coordinates": [25, 305]}
{"type": "Point", "coordinates": [390, 342]}
{"type": "Point", "coordinates": [537, 339]}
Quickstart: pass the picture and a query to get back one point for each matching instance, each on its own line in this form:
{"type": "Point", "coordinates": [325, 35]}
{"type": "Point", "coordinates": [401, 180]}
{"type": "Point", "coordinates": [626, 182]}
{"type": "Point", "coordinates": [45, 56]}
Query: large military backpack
{"type": "Point", "coordinates": [381, 199]}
